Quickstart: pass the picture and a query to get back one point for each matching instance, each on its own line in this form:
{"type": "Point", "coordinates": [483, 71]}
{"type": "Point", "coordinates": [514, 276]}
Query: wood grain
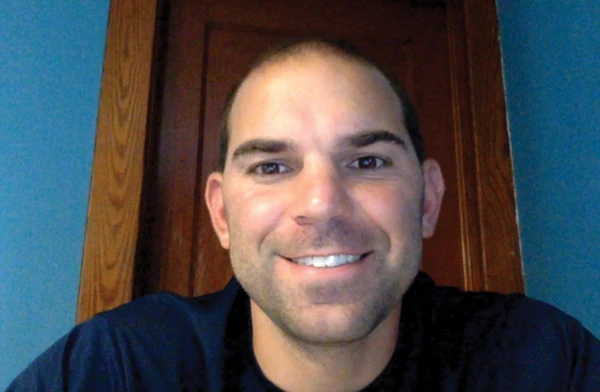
{"type": "Point", "coordinates": [496, 200]}
{"type": "Point", "coordinates": [113, 213]}
{"type": "Point", "coordinates": [472, 257]}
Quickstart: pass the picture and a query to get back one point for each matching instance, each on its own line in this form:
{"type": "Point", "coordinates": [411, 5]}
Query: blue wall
{"type": "Point", "coordinates": [551, 52]}
{"type": "Point", "coordinates": [51, 57]}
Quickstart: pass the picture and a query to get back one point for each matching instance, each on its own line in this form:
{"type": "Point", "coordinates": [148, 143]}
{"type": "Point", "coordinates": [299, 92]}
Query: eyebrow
{"type": "Point", "coordinates": [272, 146]}
{"type": "Point", "coordinates": [262, 146]}
{"type": "Point", "coordinates": [369, 137]}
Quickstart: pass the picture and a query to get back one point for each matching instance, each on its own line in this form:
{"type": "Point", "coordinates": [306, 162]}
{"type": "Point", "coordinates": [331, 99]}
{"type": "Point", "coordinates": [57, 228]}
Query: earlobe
{"type": "Point", "coordinates": [432, 198]}
{"type": "Point", "coordinates": [213, 196]}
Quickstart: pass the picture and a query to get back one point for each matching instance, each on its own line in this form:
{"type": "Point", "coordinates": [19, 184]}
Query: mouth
{"type": "Point", "coordinates": [330, 261]}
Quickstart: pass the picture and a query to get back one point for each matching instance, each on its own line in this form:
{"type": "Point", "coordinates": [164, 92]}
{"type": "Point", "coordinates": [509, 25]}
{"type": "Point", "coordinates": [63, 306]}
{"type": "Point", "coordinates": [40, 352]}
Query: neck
{"type": "Point", "coordinates": [294, 365]}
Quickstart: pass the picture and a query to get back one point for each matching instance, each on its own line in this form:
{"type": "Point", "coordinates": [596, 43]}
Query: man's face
{"type": "Point", "coordinates": [322, 203]}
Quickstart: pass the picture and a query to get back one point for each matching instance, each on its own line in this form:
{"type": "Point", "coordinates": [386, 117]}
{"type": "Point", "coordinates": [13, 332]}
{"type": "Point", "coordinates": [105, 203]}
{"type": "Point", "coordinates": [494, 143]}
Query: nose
{"type": "Point", "coordinates": [319, 195]}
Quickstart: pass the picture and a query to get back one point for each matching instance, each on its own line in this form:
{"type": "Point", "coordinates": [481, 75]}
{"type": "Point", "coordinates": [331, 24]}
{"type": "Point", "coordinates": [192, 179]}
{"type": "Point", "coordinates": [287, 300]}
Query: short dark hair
{"type": "Point", "coordinates": [293, 48]}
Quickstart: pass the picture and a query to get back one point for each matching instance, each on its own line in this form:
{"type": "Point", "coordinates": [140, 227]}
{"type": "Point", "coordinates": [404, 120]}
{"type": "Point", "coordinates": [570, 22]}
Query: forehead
{"type": "Point", "coordinates": [313, 91]}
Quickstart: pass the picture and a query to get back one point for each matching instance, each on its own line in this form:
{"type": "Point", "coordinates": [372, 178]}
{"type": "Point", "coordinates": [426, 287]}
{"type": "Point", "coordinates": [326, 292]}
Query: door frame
{"type": "Point", "coordinates": [126, 118]}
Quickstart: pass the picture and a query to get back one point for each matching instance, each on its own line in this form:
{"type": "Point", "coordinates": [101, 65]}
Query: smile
{"type": "Point", "coordinates": [328, 261]}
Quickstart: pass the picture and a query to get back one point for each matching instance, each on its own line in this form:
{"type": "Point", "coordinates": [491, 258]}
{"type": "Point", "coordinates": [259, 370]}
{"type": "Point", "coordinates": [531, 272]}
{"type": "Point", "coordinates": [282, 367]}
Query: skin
{"type": "Point", "coordinates": [319, 164]}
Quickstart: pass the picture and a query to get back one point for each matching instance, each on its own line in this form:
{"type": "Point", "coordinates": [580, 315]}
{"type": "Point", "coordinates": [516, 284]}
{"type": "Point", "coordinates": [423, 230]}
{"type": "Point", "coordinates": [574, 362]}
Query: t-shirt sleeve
{"type": "Point", "coordinates": [156, 343]}
{"type": "Point", "coordinates": [547, 350]}
{"type": "Point", "coordinates": [584, 365]}
{"type": "Point", "coordinates": [574, 354]}
{"type": "Point", "coordinates": [86, 359]}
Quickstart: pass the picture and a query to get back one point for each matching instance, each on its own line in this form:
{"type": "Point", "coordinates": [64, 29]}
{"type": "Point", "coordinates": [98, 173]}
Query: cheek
{"type": "Point", "coordinates": [394, 209]}
{"type": "Point", "coordinates": [253, 212]}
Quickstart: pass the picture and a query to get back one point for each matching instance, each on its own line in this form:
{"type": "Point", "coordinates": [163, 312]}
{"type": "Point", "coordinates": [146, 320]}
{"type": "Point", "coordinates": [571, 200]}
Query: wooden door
{"type": "Point", "coordinates": [204, 47]}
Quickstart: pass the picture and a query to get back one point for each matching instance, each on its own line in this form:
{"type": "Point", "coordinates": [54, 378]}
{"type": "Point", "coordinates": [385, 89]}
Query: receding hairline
{"type": "Point", "coordinates": [306, 51]}
{"type": "Point", "coordinates": [297, 49]}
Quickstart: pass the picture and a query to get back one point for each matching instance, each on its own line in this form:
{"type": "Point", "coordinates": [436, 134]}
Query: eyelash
{"type": "Point", "coordinates": [260, 169]}
{"type": "Point", "coordinates": [379, 162]}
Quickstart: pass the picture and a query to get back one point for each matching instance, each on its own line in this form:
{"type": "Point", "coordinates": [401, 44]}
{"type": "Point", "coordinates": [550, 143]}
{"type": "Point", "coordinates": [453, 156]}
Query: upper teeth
{"type": "Point", "coordinates": [328, 261]}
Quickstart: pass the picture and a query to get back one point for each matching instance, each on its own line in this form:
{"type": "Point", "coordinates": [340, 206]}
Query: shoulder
{"type": "Point", "coordinates": [160, 316]}
{"type": "Point", "coordinates": [191, 326]}
{"type": "Point", "coordinates": [168, 305]}
{"type": "Point", "coordinates": [168, 310]}
{"type": "Point", "coordinates": [515, 341]}
{"type": "Point", "coordinates": [155, 343]}
{"type": "Point", "coordinates": [509, 315]}
{"type": "Point", "coordinates": [494, 310]}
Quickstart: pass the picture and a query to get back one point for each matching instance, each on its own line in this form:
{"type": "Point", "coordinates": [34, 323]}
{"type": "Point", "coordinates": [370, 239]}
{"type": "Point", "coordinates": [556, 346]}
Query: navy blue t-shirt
{"type": "Point", "coordinates": [449, 340]}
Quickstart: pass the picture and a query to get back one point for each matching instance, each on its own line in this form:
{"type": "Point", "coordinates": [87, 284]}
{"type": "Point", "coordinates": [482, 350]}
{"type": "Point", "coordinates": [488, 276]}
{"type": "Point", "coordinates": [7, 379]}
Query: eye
{"type": "Point", "coordinates": [368, 163]}
{"type": "Point", "coordinates": [269, 169]}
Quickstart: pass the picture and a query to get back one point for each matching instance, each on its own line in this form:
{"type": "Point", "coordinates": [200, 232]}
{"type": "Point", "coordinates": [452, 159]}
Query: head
{"type": "Point", "coordinates": [288, 49]}
{"type": "Point", "coordinates": [324, 195]}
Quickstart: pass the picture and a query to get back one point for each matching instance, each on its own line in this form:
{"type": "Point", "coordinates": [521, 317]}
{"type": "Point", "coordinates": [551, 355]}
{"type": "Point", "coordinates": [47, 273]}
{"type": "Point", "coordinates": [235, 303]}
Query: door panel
{"type": "Point", "coordinates": [446, 55]}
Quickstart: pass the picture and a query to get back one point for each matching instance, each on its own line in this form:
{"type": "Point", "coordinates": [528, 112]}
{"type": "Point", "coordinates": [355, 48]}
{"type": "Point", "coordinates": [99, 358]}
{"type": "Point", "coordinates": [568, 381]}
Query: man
{"type": "Point", "coordinates": [323, 198]}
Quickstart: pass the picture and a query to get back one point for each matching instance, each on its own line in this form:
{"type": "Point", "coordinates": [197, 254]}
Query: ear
{"type": "Point", "coordinates": [213, 196]}
{"type": "Point", "coordinates": [432, 196]}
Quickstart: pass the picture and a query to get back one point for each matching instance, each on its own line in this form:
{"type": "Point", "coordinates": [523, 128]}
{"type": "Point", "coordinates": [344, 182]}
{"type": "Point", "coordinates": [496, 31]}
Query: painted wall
{"type": "Point", "coordinates": [51, 58]}
{"type": "Point", "coordinates": [551, 52]}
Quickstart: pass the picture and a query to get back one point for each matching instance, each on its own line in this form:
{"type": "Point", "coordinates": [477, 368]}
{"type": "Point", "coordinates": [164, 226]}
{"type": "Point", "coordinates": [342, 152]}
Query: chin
{"type": "Point", "coordinates": [332, 326]}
